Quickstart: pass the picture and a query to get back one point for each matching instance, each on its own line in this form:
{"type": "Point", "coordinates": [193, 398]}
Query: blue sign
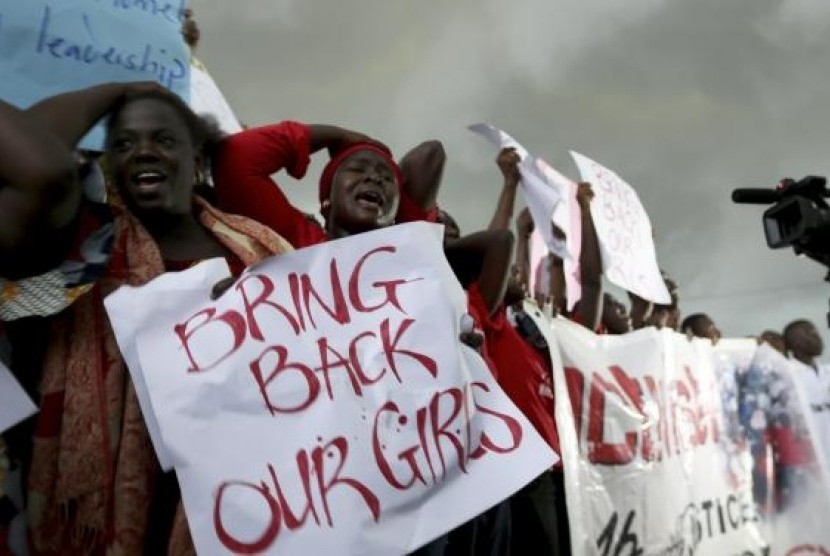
{"type": "Point", "coordinates": [53, 46]}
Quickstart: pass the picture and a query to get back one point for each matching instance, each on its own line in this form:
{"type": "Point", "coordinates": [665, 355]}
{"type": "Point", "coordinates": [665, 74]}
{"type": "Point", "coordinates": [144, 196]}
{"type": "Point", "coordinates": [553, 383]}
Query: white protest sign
{"type": "Point", "coordinates": [324, 403]}
{"type": "Point", "coordinates": [624, 232]}
{"type": "Point", "coordinates": [15, 405]}
{"type": "Point", "coordinates": [207, 98]}
{"type": "Point", "coordinates": [568, 216]}
{"type": "Point", "coordinates": [130, 311]}
{"type": "Point", "coordinates": [648, 467]}
{"type": "Point", "coordinates": [542, 192]}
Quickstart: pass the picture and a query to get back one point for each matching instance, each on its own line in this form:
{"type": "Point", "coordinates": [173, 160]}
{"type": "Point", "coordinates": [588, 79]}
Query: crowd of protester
{"type": "Point", "coordinates": [175, 192]}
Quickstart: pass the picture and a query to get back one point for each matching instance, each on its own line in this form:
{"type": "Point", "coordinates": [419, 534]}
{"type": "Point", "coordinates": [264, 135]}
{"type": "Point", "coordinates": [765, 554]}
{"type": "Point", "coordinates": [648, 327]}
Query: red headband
{"type": "Point", "coordinates": [330, 170]}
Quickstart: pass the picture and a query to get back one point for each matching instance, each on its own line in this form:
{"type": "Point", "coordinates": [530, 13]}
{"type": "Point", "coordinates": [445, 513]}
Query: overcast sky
{"type": "Point", "coordinates": [684, 99]}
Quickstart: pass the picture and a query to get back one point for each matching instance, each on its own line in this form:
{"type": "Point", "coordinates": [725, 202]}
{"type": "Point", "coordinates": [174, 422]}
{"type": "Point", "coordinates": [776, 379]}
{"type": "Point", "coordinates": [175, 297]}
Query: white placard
{"type": "Point", "coordinates": [568, 216]}
{"type": "Point", "coordinates": [130, 311]}
{"type": "Point", "coordinates": [15, 405]}
{"type": "Point", "coordinates": [324, 403]}
{"type": "Point", "coordinates": [624, 232]}
{"type": "Point", "coordinates": [207, 98]}
{"type": "Point", "coordinates": [543, 191]}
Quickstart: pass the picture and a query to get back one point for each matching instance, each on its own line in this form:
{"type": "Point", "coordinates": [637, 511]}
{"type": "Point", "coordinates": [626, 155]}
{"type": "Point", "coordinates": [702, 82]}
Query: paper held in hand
{"type": "Point", "coordinates": [325, 404]}
{"type": "Point", "coordinates": [624, 231]}
{"type": "Point", "coordinates": [543, 191]}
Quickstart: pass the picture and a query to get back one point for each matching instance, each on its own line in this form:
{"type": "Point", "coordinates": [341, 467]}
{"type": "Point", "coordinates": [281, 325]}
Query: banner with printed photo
{"type": "Point", "coordinates": [791, 485]}
{"type": "Point", "coordinates": [324, 404]}
{"type": "Point", "coordinates": [649, 467]}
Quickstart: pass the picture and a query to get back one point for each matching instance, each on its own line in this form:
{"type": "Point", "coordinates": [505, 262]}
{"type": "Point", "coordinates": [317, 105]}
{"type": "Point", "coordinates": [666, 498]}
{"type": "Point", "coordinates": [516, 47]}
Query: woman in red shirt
{"type": "Point", "coordinates": [361, 188]}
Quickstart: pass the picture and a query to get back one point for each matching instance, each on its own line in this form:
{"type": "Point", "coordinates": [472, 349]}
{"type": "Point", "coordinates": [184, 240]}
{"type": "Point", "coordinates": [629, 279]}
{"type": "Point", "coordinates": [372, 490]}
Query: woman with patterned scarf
{"type": "Point", "coordinates": [92, 477]}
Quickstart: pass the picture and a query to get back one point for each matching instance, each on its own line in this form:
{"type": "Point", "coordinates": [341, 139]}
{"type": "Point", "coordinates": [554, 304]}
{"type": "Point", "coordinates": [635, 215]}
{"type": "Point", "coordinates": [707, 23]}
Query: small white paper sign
{"type": "Point", "coordinates": [568, 217]}
{"type": "Point", "coordinates": [207, 98]}
{"type": "Point", "coordinates": [324, 404]}
{"type": "Point", "coordinates": [129, 311]}
{"type": "Point", "coordinates": [542, 191]}
{"type": "Point", "coordinates": [15, 405]}
{"type": "Point", "coordinates": [624, 232]}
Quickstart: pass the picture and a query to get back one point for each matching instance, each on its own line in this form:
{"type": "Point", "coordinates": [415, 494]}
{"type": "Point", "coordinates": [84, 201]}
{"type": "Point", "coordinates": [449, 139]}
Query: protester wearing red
{"type": "Point", "coordinates": [522, 372]}
{"type": "Point", "coordinates": [247, 159]}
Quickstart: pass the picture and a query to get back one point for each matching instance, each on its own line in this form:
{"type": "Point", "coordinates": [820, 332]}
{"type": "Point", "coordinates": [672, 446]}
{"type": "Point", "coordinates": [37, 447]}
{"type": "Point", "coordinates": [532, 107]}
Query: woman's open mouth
{"type": "Point", "coordinates": [370, 198]}
{"type": "Point", "coordinates": [148, 181]}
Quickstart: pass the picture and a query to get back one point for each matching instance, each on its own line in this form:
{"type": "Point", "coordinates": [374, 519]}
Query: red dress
{"type": "Point", "coordinates": [524, 374]}
{"type": "Point", "coordinates": [242, 174]}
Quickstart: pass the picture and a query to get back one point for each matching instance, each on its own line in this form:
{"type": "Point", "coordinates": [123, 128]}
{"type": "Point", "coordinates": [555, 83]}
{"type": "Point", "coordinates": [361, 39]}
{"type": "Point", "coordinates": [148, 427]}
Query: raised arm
{"type": "Point", "coordinates": [524, 228]}
{"type": "Point", "coordinates": [423, 167]}
{"type": "Point", "coordinates": [483, 258]}
{"type": "Point", "coordinates": [589, 308]}
{"type": "Point", "coordinates": [71, 115]}
{"type": "Point", "coordinates": [244, 163]}
{"type": "Point", "coordinates": [507, 161]}
{"type": "Point", "coordinates": [37, 177]}
{"type": "Point", "coordinates": [558, 285]}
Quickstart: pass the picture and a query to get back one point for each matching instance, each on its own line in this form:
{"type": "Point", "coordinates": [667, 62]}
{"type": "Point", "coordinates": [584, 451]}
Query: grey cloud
{"type": "Point", "coordinates": [684, 99]}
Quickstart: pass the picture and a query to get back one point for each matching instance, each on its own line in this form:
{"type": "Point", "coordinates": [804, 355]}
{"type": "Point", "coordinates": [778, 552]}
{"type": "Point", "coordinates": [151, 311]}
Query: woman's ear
{"type": "Point", "coordinates": [325, 209]}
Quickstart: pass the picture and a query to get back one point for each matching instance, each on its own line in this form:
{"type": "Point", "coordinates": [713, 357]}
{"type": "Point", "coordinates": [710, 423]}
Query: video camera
{"type": "Point", "coordinates": [800, 217]}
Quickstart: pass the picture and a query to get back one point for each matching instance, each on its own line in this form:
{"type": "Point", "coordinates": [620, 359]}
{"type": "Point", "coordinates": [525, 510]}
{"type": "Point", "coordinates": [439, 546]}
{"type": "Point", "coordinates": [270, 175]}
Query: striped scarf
{"type": "Point", "coordinates": [93, 467]}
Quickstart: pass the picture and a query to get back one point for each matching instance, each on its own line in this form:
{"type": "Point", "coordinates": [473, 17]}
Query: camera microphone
{"type": "Point", "coordinates": [756, 196]}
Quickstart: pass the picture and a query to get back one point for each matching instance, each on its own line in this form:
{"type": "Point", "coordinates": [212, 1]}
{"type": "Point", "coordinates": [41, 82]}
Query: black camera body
{"type": "Point", "coordinates": [800, 217]}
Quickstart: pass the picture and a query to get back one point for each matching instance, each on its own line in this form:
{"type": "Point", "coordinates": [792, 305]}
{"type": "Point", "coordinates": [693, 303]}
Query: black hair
{"type": "Point", "coordinates": [691, 322]}
{"type": "Point", "coordinates": [789, 330]}
{"type": "Point", "coordinates": [204, 130]}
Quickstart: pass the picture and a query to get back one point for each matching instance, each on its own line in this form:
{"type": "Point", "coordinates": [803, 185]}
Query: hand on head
{"type": "Point", "coordinates": [347, 138]}
{"type": "Point", "coordinates": [138, 88]}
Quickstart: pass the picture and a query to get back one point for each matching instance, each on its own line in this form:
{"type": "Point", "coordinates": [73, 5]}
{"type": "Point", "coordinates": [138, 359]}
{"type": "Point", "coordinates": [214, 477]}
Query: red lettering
{"type": "Point", "coordinates": [230, 319]}
{"type": "Point", "coordinates": [576, 392]}
{"type": "Point", "coordinates": [687, 414]}
{"type": "Point", "coordinates": [327, 365]}
{"type": "Point", "coordinates": [338, 449]}
{"type": "Point", "coordinates": [294, 288]}
{"type": "Point", "coordinates": [340, 311]}
{"type": "Point", "coordinates": [421, 423]}
{"type": "Point", "coordinates": [354, 357]}
{"type": "Point", "coordinates": [390, 349]}
{"type": "Point", "coordinates": [310, 467]}
{"type": "Point", "coordinates": [440, 431]}
{"type": "Point", "coordinates": [408, 455]}
{"type": "Point", "coordinates": [268, 536]}
{"type": "Point", "coordinates": [512, 425]}
{"type": "Point", "coordinates": [291, 520]}
{"type": "Point", "coordinates": [262, 300]}
{"type": "Point", "coordinates": [599, 451]}
{"type": "Point", "coordinates": [282, 366]}
{"type": "Point", "coordinates": [390, 287]}
{"type": "Point", "coordinates": [634, 393]}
